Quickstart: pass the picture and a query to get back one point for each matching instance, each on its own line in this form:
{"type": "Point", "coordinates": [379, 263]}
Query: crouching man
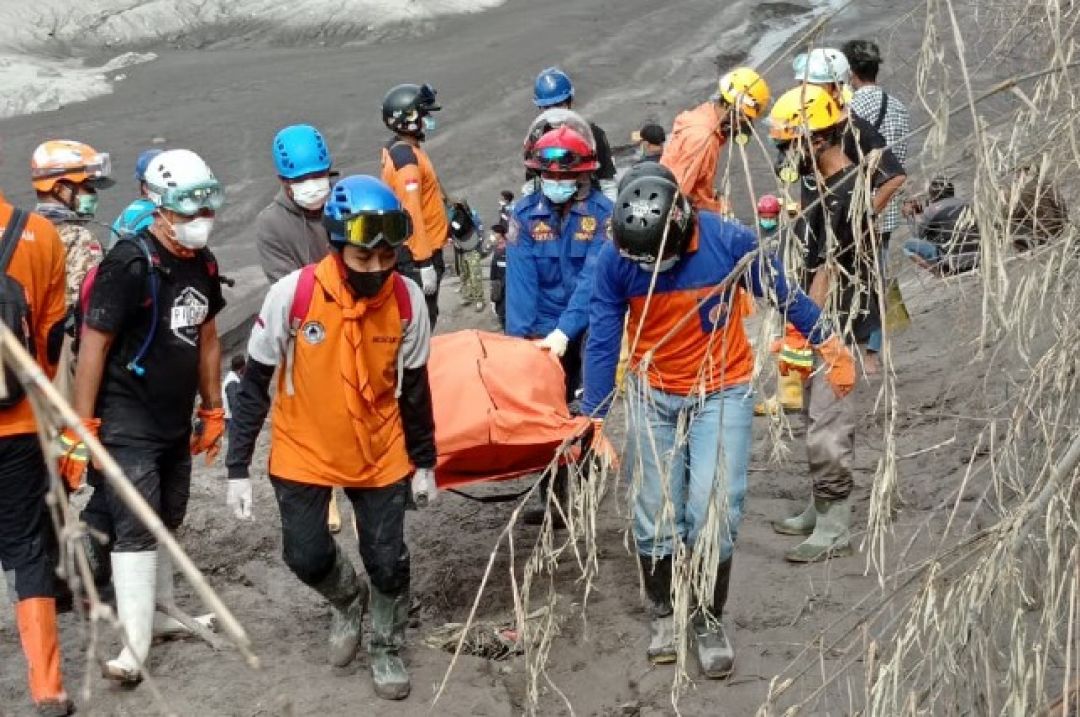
{"type": "Point", "coordinates": [352, 409]}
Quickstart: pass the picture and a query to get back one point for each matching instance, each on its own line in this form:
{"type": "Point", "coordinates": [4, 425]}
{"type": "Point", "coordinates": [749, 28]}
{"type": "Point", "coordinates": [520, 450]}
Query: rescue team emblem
{"type": "Point", "coordinates": [588, 224]}
{"type": "Point", "coordinates": [189, 312]}
{"type": "Point", "coordinates": [541, 231]}
{"type": "Point", "coordinates": [313, 332]}
{"type": "Point", "coordinates": [713, 314]}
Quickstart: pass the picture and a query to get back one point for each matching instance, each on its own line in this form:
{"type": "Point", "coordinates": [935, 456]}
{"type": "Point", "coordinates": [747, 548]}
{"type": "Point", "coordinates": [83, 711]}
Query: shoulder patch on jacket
{"type": "Point", "coordinates": [402, 155]}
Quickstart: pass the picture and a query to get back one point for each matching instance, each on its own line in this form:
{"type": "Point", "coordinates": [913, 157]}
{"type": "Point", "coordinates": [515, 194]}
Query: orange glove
{"type": "Point", "coordinates": [209, 438]}
{"type": "Point", "coordinates": [73, 454]}
{"type": "Point", "coordinates": [601, 447]}
{"type": "Point", "coordinates": [840, 365]}
{"type": "Point", "coordinates": [796, 356]}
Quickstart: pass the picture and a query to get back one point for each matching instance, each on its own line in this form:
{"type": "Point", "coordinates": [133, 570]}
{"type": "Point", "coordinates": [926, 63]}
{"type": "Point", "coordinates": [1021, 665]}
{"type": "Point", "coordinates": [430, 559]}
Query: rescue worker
{"type": "Point", "coordinates": [650, 140]}
{"type": "Point", "coordinates": [497, 276]}
{"type": "Point", "coordinates": [407, 111]}
{"type": "Point", "coordinates": [289, 232]}
{"type": "Point", "coordinates": [66, 176]}
{"type": "Point", "coordinates": [693, 149]}
{"type": "Point", "coordinates": [554, 238]}
{"type": "Point", "coordinates": [148, 345]}
{"type": "Point", "coordinates": [33, 265]}
{"type": "Point", "coordinates": [352, 409]}
{"type": "Point", "coordinates": [667, 262]}
{"type": "Point", "coordinates": [139, 214]}
{"type": "Point", "coordinates": [553, 89]}
{"type": "Point", "coordinates": [841, 259]}
{"type": "Point", "coordinates": [890, 117]}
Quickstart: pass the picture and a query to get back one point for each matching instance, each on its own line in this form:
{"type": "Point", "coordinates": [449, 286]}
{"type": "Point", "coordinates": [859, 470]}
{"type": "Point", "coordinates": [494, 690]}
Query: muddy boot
{"type": "Point", "coordinates": [801, 524]}
{"type": "Point", "coordinates": [714, 650]}
{"type": "Point", "coordinates": [657, 574]}
{"type": "Point", "coordinates": [333, 520]}
{"type": "Point", "coordinates": [389, 613]}
{"type": "Point", "coordinates": [37, 631]}
{"type": "Point", "coordinates": [135, 579]}
{"type": "Point", "coordinates": [534, 514]}
{"type": "Point", "coordinates": [347, 595]}
{"type": "Point", "coordinates": [831, 537]}
{"type": "Point", "coordinates": [97, 556]}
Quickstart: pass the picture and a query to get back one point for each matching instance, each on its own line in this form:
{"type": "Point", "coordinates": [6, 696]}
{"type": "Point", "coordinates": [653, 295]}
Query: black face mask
{"type": "Point", "coordinates": [366, 284]}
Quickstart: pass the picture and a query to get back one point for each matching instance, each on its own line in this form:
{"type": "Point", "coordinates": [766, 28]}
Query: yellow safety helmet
{"type": "Point", "coordinates": [745, 90]}
{"type": "Point", "coordinates": [803, 110]}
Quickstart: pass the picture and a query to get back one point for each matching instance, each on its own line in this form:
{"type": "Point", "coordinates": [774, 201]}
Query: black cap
{"type": "Point", "coordinates": [499, 228]}
{"type": "Point", "coordinates": [653, 134]}
{"type": "Point", "coordinates": [507, 195]}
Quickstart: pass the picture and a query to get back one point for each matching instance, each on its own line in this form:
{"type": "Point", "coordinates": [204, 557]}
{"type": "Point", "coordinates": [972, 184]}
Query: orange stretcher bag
{"type": "Point", "coordinates": [500, 407]}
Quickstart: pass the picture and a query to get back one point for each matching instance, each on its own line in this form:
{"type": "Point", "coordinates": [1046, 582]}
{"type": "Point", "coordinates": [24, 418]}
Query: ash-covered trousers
{"type": "Point", "coordinates": [830, 437]}
{"type": "Point", "coordinates": [472, 277]}
{"type": "Point", "coordinates": [685, 454]}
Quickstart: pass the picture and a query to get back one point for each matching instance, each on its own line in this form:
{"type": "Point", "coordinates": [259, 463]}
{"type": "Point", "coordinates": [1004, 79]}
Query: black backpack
{"type": "Point", "coordinates": [14, 307]}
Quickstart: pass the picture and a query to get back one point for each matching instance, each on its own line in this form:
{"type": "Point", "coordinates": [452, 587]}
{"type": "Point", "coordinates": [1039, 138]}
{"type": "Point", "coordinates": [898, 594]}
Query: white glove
{"type": "Point", "coordinates": [239, 497]}
{"type": "Point", "coordinates": [429, 280]}
{"type": "Point", "coordinates": [424, 489]}
{"type": "Point", "coordinates": [555, 342]}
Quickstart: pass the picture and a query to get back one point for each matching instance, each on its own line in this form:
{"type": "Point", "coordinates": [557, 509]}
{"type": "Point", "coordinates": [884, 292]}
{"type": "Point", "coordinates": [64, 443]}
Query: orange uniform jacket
{"type": "Point", "coordinates": [38, 264]}
{"type": "Point", "coordinates": [692, 153]}
{"type": "Point", "coordinates": [408, 171]}
{"type": "Point", "coordinates": [340, 425]}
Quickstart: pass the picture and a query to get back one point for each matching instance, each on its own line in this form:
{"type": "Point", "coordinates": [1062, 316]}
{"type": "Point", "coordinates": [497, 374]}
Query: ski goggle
{"type": "Point", "coordinates": [560, 159]}
{"type": "Point", "coordinates": [368, 231]}
{"type": "Point", "coordinates": [97, 169]}
{"type": "Point", "coordinates": [191, 200]}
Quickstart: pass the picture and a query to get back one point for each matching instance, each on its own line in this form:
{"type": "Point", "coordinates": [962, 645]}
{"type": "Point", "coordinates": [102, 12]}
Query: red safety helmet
{"type": "Point", "coordinates": [768, 206]}
{"type": "Point", "coordinates": [562, 150]}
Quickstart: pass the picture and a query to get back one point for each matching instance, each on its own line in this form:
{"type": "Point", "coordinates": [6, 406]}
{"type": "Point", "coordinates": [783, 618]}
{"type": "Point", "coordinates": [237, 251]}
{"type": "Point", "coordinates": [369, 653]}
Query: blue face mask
{"type": "Point", "coordinates": [429, 124]}
{"type": "Point", "coordinates": [768, 225]}
{"type": "Point", "coordinates": [559, 191]}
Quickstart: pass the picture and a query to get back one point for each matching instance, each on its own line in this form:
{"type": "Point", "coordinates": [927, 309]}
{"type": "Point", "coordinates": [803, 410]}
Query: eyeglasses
{"type": "Point", "coordinates": [368, 231]}
{"type": "Point", "coordinates": [191, 200]}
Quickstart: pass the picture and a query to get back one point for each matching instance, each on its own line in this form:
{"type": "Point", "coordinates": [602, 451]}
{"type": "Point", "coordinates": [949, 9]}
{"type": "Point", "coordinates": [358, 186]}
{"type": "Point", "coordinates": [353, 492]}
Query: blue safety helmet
{"type": "Point", "coordinates": [145, 157]}
{"type": "Point", "coordinates": [552, 87]}
{"type": "Point", "coordinates": [363, 211]}
{"type": "Point", "coordinates": [300, 150]}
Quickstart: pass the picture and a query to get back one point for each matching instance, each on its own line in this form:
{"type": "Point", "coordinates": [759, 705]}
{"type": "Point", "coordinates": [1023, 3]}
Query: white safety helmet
{"type": "Point", "coordinates": [553, 119]}
{"type": "Point", "coordinates": [179, 179]}
{"type": "Point", "coordinates": [822, 66]}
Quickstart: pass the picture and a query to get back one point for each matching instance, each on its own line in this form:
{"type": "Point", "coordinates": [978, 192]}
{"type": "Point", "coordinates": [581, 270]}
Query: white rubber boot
{"type": "Point", "coordinates": [134, 578]}
{"type": "Point", "coordinates": [166, 626]}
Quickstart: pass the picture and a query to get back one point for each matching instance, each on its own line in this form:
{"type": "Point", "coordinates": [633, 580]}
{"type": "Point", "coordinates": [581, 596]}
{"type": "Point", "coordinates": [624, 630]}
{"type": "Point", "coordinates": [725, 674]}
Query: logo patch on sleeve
{"type": "Point", "coordinates": [713, 314]}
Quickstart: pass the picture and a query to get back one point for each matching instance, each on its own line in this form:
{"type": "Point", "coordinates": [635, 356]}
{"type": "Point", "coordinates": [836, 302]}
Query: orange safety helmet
{"type": "Point", "coordinates": [562, 150]}
{"type": "Point", "coordinates": [65, 159]}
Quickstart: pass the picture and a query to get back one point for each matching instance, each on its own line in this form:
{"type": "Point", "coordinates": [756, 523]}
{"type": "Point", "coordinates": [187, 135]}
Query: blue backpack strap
{"type": "Point", "coordinates": [153, 264]}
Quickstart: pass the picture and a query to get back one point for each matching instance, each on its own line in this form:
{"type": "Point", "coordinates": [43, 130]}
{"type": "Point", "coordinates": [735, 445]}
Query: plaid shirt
{"type": "Point", "coordinates": [894, 127]}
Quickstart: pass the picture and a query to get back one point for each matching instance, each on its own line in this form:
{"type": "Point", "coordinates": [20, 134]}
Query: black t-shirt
{"type": "Point", "coordinates": [154, 407]}
{"type": "Point", "coordinates": [860, 139]}
{"type": "Point", "coordinates": [833, 233]}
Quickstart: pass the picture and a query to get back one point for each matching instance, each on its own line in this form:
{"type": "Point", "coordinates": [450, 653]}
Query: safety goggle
{"type": "Point", "coordinates": [560, 159]}
{"type": "Point", "coordinates": [191, 200]}
{"type": "Point", "coordinates": [368, 231]}
{"type": "Point", "coordinates": [98, 169]}
{"type": "Point", "coordinates": [426, 99]}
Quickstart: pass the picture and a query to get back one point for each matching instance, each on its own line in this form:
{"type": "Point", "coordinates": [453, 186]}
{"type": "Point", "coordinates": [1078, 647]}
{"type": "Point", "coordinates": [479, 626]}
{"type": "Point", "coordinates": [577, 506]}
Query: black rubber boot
{"type": "Point", "coordinates": [715, 651]}
{"type": "Point", "coordinates": [657, 574]}
{"type": "Point", "coordinates": [389, 615]}
{"type": "Point", "coordinates": [534, 514]}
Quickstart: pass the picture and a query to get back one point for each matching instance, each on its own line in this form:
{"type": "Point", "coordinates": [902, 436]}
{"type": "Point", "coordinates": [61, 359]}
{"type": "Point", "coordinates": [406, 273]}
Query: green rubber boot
{"type": "Point", "coordinates": [832, 533]}
{"type": "Point", "coordinates": [801, 524]}
{"type": "Point", "coordinates": [389, 614]}
{"type": "Point", "coordinates": [347, 595]}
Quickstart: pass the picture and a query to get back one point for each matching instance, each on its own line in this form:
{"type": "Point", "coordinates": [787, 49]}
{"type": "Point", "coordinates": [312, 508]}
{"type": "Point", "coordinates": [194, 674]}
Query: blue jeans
{"type": "Point", "coordinates": [694, 450]}
{"type": "Point", "coordinates": [923, 249]}
{"type": "Point", "coordinates": [875, 341]}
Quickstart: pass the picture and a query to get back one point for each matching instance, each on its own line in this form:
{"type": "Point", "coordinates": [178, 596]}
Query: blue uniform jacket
{"type": "Point", "coordinates": [618, 282]}
{"type": "Point", "coordinates": [549, 264]}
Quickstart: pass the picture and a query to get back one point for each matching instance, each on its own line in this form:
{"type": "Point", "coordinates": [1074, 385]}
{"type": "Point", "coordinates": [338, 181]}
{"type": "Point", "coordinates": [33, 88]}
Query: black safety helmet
{"type": "Point", "coordinates": [646, 209]}
{"type": "Point", "coordinates": [646, 169]}
{"type": "Point", "coordinates": [941, 187]}
{"type": "Point", "coordinates": [405, 105]}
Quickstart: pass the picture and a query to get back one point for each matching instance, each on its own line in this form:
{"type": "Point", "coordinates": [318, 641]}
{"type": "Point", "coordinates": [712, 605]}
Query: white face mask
{"type": "Point", "coordinates": [311, 193]}
{"type": "Point", "coordinates": [193, 234]}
